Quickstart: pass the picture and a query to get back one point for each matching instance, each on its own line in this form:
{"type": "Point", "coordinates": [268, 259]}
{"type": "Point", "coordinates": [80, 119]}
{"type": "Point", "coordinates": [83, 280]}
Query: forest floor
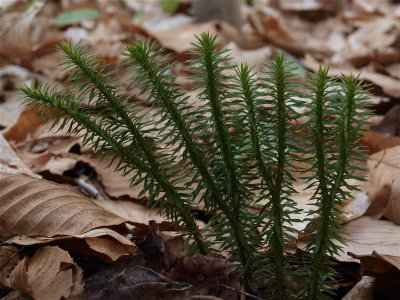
{"type": "Point", "coordinates": [42, 260]}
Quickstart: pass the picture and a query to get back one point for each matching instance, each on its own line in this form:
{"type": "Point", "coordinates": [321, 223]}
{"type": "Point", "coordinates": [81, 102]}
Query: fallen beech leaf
{"type": "Point", "coordinates": [114, 183]}
{"type": "Point", "coordinates": [9, 258]}
{"type": "Point", "coordinates": [389, 85]}
{"type": "Point", "coordinates": [134, 212]}
{"type": "Point", "coordinates": [203, 272]}
{"type": "Point", "coordinates": [26, 124]}
{"type": "Point", "coordinates": [391, 122]}
{"type": "Point", "coordinates": [375, 263]}
{"type": "Point", "coordinates": [367, 235]}
{"type": "Point", "coordinates": [393, 260]}
{"type": "Point", "coordinates": [33, 207]}
{"type": "Point", "coordinates": [9, 161]}
{"type": "Point", "coordinates": [50, 274]}
{"type": "Point", "coordinates": [140, 283]}
{"type": "Point", "coordinates": [363, 290]}
{"type": "Point", "coordinates": [105, 242]}
{"type": "Point", "coordinates": [179, 39]}
{"type": "Point", "coordinates": [384, 184]}
{"type": "Point", "coordinates": [376, 141]}
{"type": "Point", "coordinates": [394, 70]}
{"type": "Point", "coordinates": [32, 30]}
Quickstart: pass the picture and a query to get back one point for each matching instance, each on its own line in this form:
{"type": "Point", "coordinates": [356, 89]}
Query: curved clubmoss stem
{"type": "Point", "coordinates": [329, 193]}
{"type": "Point", "coordinates": [207, 50]}
{"type": "Point", "coordinates": [127, 157]}
{"type": "Point", "coordinates": [278, 243]}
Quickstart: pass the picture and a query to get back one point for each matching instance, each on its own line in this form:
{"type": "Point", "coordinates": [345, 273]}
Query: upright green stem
{"type": "Point", "coordinates": [328, 194]}
{"type": "Point", "coordinates": [140, 54]}
{"type": "Point", "coordinates": [275, 188]}
{"type": "Point", "coordinates": [234, 192]}
{"type": "Point", "coordinates": [131, 160]}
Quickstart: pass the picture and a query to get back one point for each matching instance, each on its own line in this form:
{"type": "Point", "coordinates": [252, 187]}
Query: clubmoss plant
{"type": "Point", "coordinates": [236, 150]}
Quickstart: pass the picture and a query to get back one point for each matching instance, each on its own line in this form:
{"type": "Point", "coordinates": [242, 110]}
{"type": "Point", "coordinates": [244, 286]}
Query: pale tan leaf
{"type": "Point", "coordinates": [393, 260]}
{"type": "Point", "coordinates": [134, 212]}
{"type": "Point", "coordinates": [390, 85]}
{"type": "Point", "coordinates": [394, 70]}
{"type": "Point", "coordinates": [114, 183]}
{"type": "Point", "coordinates": [118, 245]}
{"type": "Point", "coordinates": [367, 235]}
{"type": "Point", "coordinates": [50, 274]}
{"type": "Point", "coordinates": [363, 290]}
{"type": "Point", "coordinates": [9, 258]}
{"type": "Point", "coordinates": [33, 207]}
{"type": "Point", "coordinates": [376, 141]}
{"type": "Point", "coordinates": [179, 39]}
{"type": "Point", "coordinates": [32, 31]}
{"type": "Point", "coordinates": [10, 162]}
{"type": "Point", "coordinates": [384, 184]}
{"type": "Point", "coordinates": [110, 248]}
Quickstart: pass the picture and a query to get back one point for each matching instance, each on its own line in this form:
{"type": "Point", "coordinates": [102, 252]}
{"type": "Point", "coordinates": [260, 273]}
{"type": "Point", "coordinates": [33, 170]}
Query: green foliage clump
{"type": "Point", "coordinates": [238, 151]}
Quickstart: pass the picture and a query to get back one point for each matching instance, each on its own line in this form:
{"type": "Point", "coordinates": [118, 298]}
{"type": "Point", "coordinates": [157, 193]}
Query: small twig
{"type": "Point", "coordinates": [239, 291]}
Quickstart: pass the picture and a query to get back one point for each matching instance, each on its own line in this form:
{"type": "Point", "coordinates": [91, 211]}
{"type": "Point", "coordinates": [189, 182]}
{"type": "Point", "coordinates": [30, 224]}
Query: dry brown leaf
{"type": "Point", "coordinates": [179, 39]}
{"type": "Point", "coordinates": [363, 290]}
{"type": "Point", "coordinates": [9, 161]}
{"type": "Point", "coordinates": [384, 184]}
{"type": "Point", "coordinates": [376, 141]}
{"type": "Point", "coordinates": [32, 207]}
{"type": "Point", "coordinates": [367, 235]}
{"type": "Point", "coordinates": [276, 30]}
{"type": "Point", "coordinates": [9, 258]}
{"type": "Point", "coordinates": [26, 125]}
{"type": "Point", "coordinates": [390, 123]}
{"type": "Point", "coordinates": [389, 85]}
{"type": "Point", "coordinates": [50, 274]}
{"type": "Point", "coordinates": [96, 239]}
{"type": "Point", "coordinates": [393, 70]}
{"type": "Point", "coordinates": [376, 264]}
{"type": "Point", "coordinates": [48, 66]}
{"type": "Point", "coordinates": [393, 260]}
{"type": "Point", "coordinates": [134, 212]}
{"type": "Point", "coordinates": [32, 30]}
{"type": "Point", "coordinates": [114, 183]}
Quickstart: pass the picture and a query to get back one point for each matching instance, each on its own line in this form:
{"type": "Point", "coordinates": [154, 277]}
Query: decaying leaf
{"type": "Point", "coordinates": [140, 283]}
{"type": "Point", "coordinates": [134, 212]}
{"type": "Point", "coordinates": [376, 141]}
{"type": "Point", "coordinates": [9, 258]}
{"type": "Point", "coordinates": [179, 39]}
{"type": "Point", "coordinates": [38, 211]}
{"type": "Point", "coordinates": [363, 290]}
{"type": "Point", "coordinates": [37, 207]}
{"type": "Point", "coordinates": [9, 161]}
{"type": "Point", "coordinates": [384, 184]}
{"type": "Point", "coordinates": [366, 235]}
{"type": "Point", "coordinates": [389, 85]}
{"type": "Point", "coordinates": [31, 31]}
{"type": "Point", "coordinates": [391, 122]}
{"type": "Point", "coordinates": [114, 183]}
{"type": "Point", "coordinates": [103, 242]}
{"type": "Point", "coordinates": [50, 274]}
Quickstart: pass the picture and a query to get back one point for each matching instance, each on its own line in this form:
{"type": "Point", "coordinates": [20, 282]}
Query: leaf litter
{"type": "Point", "coordinates": [361, 38]}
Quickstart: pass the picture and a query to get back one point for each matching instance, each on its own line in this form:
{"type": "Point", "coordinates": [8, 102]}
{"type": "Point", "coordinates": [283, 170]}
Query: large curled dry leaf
{"type": "Point", "coordinates": [9, 161]}
{"type": "Point", "coordinates": [38, 211]}
{"type": "Point", "coordinates": [363, 290]}
{"type": "Point", "coordinates": [50, 274]}
{"type": "Point", "coordinates": [9, 258]}
{"type": "Point", "coordinates": [366, 235]}
{"type": "Point", "coordinates": [384, 184]}
{"type": "Point", "coordinates": [36, 207]}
